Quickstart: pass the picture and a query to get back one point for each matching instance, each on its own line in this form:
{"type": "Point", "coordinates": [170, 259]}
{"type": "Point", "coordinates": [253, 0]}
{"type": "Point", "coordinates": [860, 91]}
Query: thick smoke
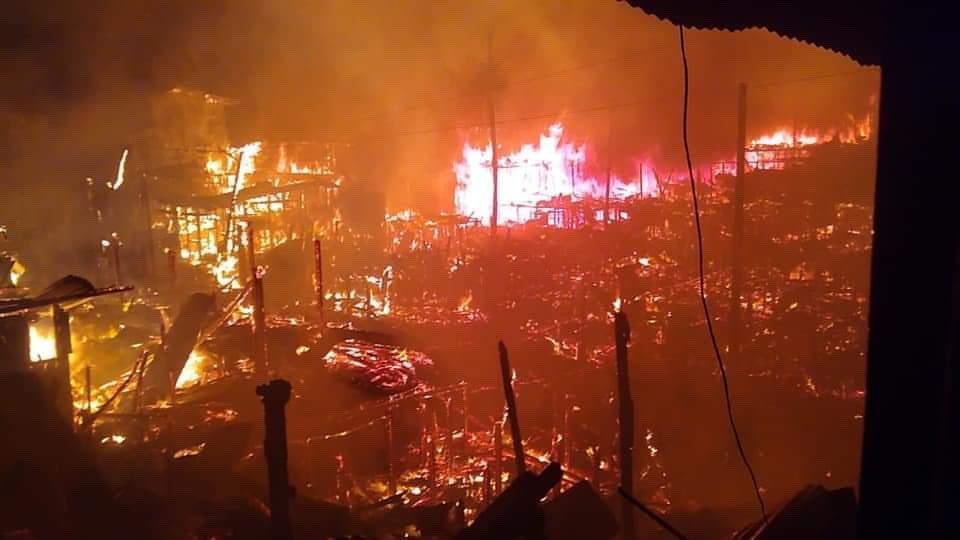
{"type": "Point", "coordinates": [405, 82]}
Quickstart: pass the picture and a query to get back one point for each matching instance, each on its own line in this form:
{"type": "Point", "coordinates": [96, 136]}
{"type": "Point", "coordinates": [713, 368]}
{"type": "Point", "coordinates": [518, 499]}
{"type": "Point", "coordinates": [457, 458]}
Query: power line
{"type": "Point", "coordinates": [702, 281]}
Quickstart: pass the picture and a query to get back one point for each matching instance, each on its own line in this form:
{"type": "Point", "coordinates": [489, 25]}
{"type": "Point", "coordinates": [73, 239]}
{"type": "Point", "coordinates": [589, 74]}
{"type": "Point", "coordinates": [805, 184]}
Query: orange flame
{"type": "Point", "coordinates": [121, 171]}
{"type": "Point", "coordinates": [534, 175]}
{"type": "Point", "coordinates": [192, 372]}
{"type": "Point", "coordinates": [465, 302]}
{"type": "Point", "coordinates": [43, 345]}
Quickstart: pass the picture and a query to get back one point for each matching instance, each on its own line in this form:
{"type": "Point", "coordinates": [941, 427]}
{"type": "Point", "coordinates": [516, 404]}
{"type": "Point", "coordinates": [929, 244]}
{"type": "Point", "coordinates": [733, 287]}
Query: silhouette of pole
{"type": "Point", "coordinates": [507, 375]}
{"type": "Point", "coordinates": [275, 397]}
{"type": "Point", "coordinates": [259, 319]}
{"type": "Point", "coordinates": [118, 276]}
{"type": "Point", "coordinates": [622, 337]}
{"type": "Point", "coordinates": [606, 198]}
{"type": "Point", "coordinates": [61, 332]}
{"type": "Point", "coordinates": [318, 275]}
{"type": "Point", "coordinates": [498, 456]}
{"type": "Point", "coordinates": [736, 271]}
{"type": "Point", "coordinates": [494, 165]}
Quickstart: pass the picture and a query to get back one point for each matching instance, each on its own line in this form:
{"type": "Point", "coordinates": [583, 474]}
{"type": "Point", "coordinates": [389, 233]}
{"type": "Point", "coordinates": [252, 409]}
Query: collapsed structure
{"type": "Point", "coordinates": [385, 324]}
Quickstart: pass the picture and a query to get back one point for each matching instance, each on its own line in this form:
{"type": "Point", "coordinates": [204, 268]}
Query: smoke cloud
{"type": "Point", "coordinates": [405, 82]}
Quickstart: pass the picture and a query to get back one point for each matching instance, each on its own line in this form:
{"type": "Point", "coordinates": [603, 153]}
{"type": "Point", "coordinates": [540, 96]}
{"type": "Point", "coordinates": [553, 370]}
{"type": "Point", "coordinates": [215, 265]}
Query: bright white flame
{"type": "Point", "coordinates": [121, 170]}
{"type": "Point", "coordinates": [16, 272]}
{"type": "Point", "coordinates": [43, 346]}
{"type": "Point", "coordinates": [115, 439]}
{"type": "Point", "coordinates": [192, 370]}
{"type": "Point", "coordinates": [532, 176]}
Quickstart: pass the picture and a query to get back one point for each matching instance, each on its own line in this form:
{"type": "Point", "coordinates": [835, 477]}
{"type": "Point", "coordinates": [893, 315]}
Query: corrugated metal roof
{"type": "Point", "coordinates": [849, 28]}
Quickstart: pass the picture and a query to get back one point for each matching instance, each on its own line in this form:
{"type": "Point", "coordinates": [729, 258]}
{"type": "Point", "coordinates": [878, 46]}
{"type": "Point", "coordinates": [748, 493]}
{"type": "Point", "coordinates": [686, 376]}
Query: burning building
{"type": "Point", "coordinates": [310, 277]}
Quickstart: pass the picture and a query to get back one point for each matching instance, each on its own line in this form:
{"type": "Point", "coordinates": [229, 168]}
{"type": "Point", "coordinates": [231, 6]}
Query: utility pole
{"type": "Point", "coordinates": [736, 284]}
{"type": "Point", "coordinates": [606, 200]}
{"type": "Point", "coordinates": [259, 355]}
{"type": "Point", "coordinates": [494, 164]}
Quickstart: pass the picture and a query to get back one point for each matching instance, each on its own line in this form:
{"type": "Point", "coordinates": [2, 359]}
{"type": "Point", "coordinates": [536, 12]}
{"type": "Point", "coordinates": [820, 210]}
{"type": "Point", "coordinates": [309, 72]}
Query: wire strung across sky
{"type": "Point", "coordinates": [702, 287]}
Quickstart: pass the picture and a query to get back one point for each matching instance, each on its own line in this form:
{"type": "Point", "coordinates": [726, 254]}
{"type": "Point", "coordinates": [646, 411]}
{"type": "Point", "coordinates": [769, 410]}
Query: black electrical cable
{"type": "Point", "coordinates": [703, 292]}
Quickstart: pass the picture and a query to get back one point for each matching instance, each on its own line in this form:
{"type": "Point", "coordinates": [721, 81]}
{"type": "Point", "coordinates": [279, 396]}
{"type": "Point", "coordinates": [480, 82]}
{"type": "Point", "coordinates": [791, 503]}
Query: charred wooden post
{"type": "Point", "coordinates": [466, 417]}
{"type": "Point", "coordinates": [448, 402]}
{"type": "Point", "coordinates": [487, 485]}
{"type": "Point", "coordinates": [498, 456]}
{"type": "Point", "coordinates": [259, 318]}
{"type": "Point", "coordinates": [622, 338]}
{"type": "Point", "coordinates": [115, 249]}
{"type": "Point", "coordinates": [275, 396]}
{"type": "Point", "coordinates": [606, 198]}
{"type": "Point", "coordinates": [318, 275]}
{"type": "Point", "coordinates": [736, 281]}
{"type": "Point", "coordinates": [507, 376]}
{"type": "Point", "coordinates": [431, 461]}
{"type": "Point", "coordinates": [61, 332]}
{"type": "Point", "coordinates": [391, 454]}
{"type": "Point", "coordinates": [565, 434]}
{"type": "Point", "coordinates": [494, 159]}
{"type": "Point", "coordinates": [172, 265]}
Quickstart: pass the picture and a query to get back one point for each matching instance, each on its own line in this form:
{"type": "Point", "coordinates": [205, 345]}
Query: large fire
{"type": "Point", "coordinates": [193, 370]}
{"type": "Point", "coordinates": [536, 177]}
{"type": "Point", "coordinates": [533, 176]}
{"type": "Point", "coordinates": [43, 346]}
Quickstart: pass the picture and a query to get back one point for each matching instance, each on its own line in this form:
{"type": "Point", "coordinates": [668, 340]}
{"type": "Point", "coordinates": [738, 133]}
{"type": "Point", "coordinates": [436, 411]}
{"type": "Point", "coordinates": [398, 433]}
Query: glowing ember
{"type": "Point", "coordinates": [465, 302]}
{"type": "Point", "coordinates": [16, 272]}
{"type": "Point", "coordinates": [121, 170]}
{"type": "Point", "coordinates": [533, 176]}
{"type": "Point", "coordinates": [192, 370]}
{"type": "Point", "coordinates": [189, 451]}
{"type": "Point", "coordinates": [43, 346]}
{"type": "Point", "coordinates": [113, 439]}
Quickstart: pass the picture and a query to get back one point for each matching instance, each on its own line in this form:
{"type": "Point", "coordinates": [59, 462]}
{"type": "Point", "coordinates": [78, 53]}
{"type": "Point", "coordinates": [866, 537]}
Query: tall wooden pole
{"type": "Point", "coordinates": [494, 160]}
{"type": "Point", "coordinates": [498, 456]}
{"type": "Point", "coordinates": [61, 332]}
{"type": "Point", "coordinates": [115, 245]}
{"type": "Point", "coordinates": [621, 332]}
{"type": "Point", "coordinates": [736, 271]}
{"type": "Point", "coordinates": [606, 199]}
{"type": "Point", "coordinates": [507, 374]}
{"type": "Point", "coordinates": [275, 397]}
{"type": "Point", "coordinates": [318, 275]}
{"type": "Point", "coordinates": [259, 353]}
{"type": "Point", "coordinates": [391, 455]}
